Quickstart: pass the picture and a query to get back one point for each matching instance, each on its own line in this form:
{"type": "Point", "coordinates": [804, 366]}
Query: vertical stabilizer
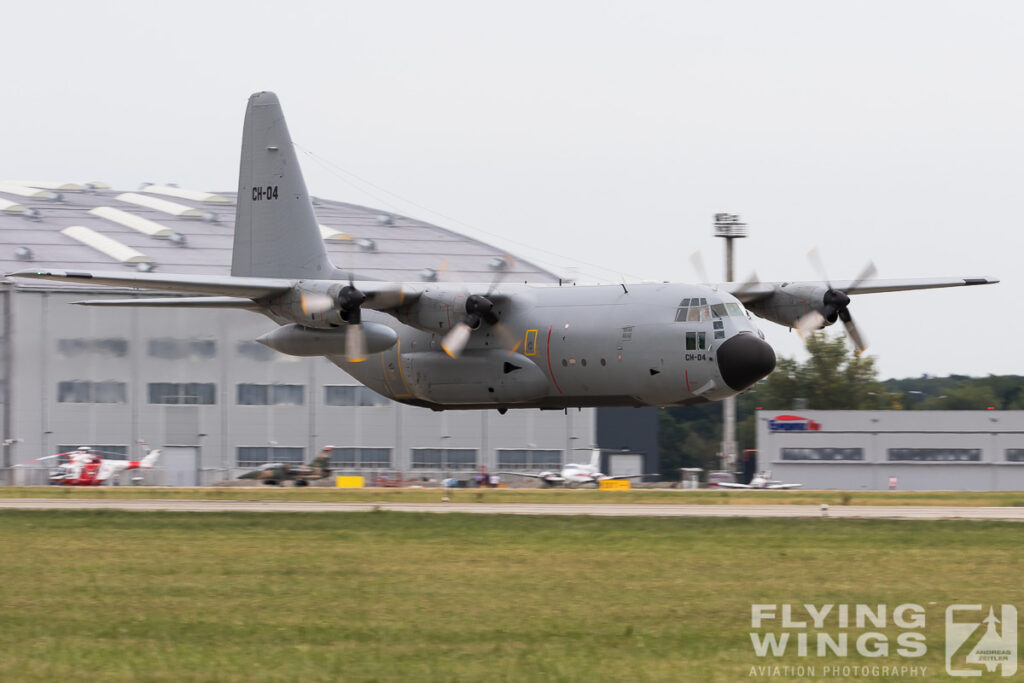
{"type": "Point", "coordinates": [276, 231]}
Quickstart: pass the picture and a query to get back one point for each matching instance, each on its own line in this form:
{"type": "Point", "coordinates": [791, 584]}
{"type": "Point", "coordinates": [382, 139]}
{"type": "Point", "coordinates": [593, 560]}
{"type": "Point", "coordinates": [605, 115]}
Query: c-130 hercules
{"type": "Point", "coordinates": [492, 345]}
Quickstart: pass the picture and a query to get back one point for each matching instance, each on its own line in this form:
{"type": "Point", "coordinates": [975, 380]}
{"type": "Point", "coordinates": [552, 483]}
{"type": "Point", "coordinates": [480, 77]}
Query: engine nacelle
{"type": "Point", "coordinates": [490, 376]}
{"type": "Point", "coordinates": [296, 340]}
{"type": "Point", "coordinates": [789, 303]}
{"type": "Point", "coordinates": [435, 311]}
{"type": "Point", "coordinates": [310, 304]}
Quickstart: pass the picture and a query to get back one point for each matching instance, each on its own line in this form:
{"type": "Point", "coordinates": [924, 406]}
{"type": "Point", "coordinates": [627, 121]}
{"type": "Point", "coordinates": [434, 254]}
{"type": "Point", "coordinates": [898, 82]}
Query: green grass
{"type": "Point", "coordinates": [590, 496]}
{"type": "Point", "coordinates": [378, 596]}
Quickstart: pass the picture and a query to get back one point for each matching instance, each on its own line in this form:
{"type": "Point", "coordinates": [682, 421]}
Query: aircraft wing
{"type": "Point", "coordinates": [214, 285]}
{"type": "Point", "coordinates": [221, 291]}
{"type": "Point", "coordinates": [753, 292]}
{"type": "Point", "coordinates": [545, 477]}
{"type": "Point", "coordinates": [783, 486]}
{"type": "Point", "coordinates": [628, 476]}
{"type": "Point", "coordinates": [177, 302]}
{"type": "Point", "coordinates": [731, 485]}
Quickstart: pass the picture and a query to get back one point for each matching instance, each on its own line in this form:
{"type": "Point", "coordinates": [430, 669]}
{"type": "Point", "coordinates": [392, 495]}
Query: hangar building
{"type": "Point", "coordinates": [958, 450]}
{"type": "Point", "coordinates": [195, 382]}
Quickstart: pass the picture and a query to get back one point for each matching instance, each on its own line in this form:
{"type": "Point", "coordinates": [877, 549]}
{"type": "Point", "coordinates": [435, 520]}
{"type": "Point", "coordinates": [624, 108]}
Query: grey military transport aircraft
{"type": "Point", "coordinates": [491, 345]}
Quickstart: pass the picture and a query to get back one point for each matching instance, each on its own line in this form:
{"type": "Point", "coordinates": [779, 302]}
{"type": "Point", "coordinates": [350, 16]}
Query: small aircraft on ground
{"type": "Point", "coordinates": [490, 345]}
{"type": "Point", "coordinates": [85, 467]}
{"type": "Point", "coordinates": [763, 480]}
{"type": "Point", "coordinates": [274, 473]}
{"type": "Point", "coordinates": [573, 475]}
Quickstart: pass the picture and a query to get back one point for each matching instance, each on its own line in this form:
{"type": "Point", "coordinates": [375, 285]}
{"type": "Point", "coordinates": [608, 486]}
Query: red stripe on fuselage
{"type": "Point", "coordinates": [548, 352]}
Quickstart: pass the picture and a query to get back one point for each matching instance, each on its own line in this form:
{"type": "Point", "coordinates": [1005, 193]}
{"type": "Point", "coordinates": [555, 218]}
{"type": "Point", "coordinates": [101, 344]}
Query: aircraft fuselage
{"type": "Point", "coordinates": [577, 347]}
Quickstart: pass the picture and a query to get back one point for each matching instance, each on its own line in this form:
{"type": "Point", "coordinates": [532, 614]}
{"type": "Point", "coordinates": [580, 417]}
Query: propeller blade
{"type": "Point", "coordinates": [508, 263]}
{"type": "Point", "coordinates": [854, 334]}
{"type": "Point", "coordinates": [383, 299]}
{"type": "Point", "coordinates": [750, 283]}
{"type": "Point", "coordinates": [869, 272]}
{"type": "Point", "coordinates": [815, 258]}
{"type": "Point", "coordinates": [697, 261]}
{"type": "Point", "coordinates": [355, 343]}
{"type": "Point", "coordinates": [505, 337]}
{"type": "Point", "coordinates": [316, 303]}
{"type": "Point", "coordinates": [809, 322]}
{"type": "Point", "coordinates": [456, 339]}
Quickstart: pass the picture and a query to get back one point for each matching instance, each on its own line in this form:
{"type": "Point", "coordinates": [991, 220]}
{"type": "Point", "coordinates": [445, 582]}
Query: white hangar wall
{"type": "Point", "coordinates": [976, 450]}
{"type": "Point", "coordinates": [195, 382]}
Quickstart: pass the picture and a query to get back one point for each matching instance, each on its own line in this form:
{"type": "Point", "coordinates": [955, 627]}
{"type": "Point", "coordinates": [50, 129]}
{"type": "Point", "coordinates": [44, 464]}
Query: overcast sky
{"type": "Point", "coordinates": [596, 138]}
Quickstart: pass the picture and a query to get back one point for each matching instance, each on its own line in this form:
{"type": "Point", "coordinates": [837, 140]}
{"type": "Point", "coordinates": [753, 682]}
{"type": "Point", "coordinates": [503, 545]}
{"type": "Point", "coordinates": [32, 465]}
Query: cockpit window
{"type": "Point", "coordinates": [693, 310]}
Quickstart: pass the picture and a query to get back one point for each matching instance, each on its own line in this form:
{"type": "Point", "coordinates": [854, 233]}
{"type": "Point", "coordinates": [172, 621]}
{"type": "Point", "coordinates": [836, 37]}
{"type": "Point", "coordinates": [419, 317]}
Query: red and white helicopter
{"type": "Point", "coordinates": [85, 467]}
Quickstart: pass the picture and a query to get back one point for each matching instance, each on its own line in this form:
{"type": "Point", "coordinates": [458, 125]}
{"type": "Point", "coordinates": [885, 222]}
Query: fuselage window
{"type": "Point", "coordinates": [696, 341]}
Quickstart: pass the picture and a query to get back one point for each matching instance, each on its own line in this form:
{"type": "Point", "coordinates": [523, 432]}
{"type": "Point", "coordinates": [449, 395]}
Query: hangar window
{"type": "Point", "coordinates": [353, 396]}
{"type": "Point", "coordinates": [361, 458]}
{"type": "Point", "coordinates": [512, 459]}
{"type": "Point", "coordinates": [113, 347]}
{"type": "Point", "coordinates": [271, 394]}
{"type": "Point", "coordinates": [84, 391]}
{"type": "Point", "coordinates": [1015, 454]}
{"type": "Point", "coordinates": [179, 349]}
{"type": "Point", "coordinates": [256, 351]}
{"type": "Point", "coordinates": [254, 456]}
{"type": "Point", "coordinates": [822, 453]}
{"type": "Point", "coordinates": [183, 393]}
{"type": "Point", "coordinates": [444, 458]}
{"type": "Point", "coordinates": [935, 454]}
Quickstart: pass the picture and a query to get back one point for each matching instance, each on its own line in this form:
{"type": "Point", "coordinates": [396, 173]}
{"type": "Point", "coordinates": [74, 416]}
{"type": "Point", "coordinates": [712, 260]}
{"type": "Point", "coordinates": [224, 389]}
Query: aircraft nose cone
{"type": "Point", "coordinates": [743, 359]}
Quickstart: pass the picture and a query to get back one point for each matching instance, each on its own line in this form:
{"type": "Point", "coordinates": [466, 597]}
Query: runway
{"type": "Point", "coordinates": [597, 510]}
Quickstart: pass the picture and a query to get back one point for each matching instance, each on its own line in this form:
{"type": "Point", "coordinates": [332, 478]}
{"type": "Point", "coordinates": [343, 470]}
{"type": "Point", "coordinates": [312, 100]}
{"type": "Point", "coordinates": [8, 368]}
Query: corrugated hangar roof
{"type": "Point", "coordinates": [193, 234]}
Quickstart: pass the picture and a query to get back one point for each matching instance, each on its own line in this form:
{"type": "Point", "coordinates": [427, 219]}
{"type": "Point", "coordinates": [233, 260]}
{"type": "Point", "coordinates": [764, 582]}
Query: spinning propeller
{"type": "Point", "coordinates": [835, 304]}
{"type": "Point", "coordinates": [347, 302]}
{"type": "Point", "coordinates": [479, 309]}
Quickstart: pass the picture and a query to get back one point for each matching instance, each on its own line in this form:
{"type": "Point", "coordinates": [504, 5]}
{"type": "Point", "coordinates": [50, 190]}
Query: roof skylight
{"type": "Point", "coordinates": [107, 245]}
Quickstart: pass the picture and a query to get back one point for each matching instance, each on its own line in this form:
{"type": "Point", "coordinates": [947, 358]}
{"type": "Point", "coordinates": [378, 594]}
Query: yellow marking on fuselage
{"type": "Point", "coordinates": [530, 343]}
{"type": "Point", "coordinates": [401, 375]}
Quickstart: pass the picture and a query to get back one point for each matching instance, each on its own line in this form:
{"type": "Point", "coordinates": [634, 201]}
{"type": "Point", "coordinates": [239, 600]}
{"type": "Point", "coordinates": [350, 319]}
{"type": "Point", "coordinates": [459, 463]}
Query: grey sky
{"type": "Point", "coordinates": [596, 138]}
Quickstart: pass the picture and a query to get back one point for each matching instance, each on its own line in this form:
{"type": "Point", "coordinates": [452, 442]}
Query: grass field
{"type": "Point", "coordinates": [590, 496]}
{"type": "Point", "coordinates": [378, 596]}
